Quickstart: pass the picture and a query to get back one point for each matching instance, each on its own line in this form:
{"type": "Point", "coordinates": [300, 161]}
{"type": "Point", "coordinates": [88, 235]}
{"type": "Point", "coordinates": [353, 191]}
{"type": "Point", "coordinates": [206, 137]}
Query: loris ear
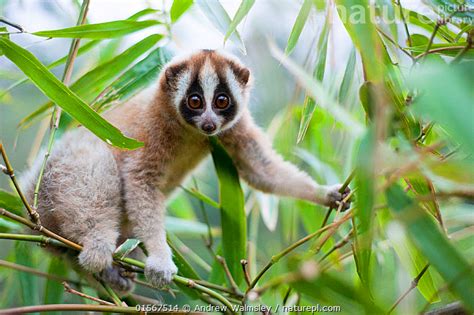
{"type": "Point", "coordinates": [241, 73]}
{"type": "Point", "coordinates": [172, 72]}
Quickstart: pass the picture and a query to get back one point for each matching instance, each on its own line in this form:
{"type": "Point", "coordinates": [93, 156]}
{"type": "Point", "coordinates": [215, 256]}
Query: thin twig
{"type": "Point", "coordinates": [340, 244]}
{"type": "Point", "coordinates": [84, 308]}
{"type": "Point", "coordinates": [7, 264]}
{"type": "Point", "coordinates": [405, 25]}
{"type": "Point", "coordinates": [111, 293]}
{"type": "Point", "coordinates": [68, 289]}
{"type": "Point", "coordinates": [217, 287]}
{"type": "Point", "coordinates": [413, 285]}
{"type": "Point", "coordinates": [394, 43]}
{"type": "Point", "coordinates": [244, 264]}
{"type": "Point", "coordinates": [14, 25]}
{"type": "Point", "coordinates": [231, 280]}
{"type": "Point", "coordinates": [468, 46]}
{"type": "Point", "coordinates": [8, 169]}
{"type": "Point", "coordinates": [295, 245]}
{"type": "Point", "coordinates": [56, 116]}
{"type": "Point", "coordinates": [41, 239]}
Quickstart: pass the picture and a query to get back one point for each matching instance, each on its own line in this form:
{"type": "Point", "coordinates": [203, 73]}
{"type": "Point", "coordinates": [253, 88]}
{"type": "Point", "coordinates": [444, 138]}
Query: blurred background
{"type": "Point", "coordinates": [327, 152]}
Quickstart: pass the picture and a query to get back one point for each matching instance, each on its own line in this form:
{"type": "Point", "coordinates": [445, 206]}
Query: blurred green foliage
{"type": "Point", "coordinates": [398, 111]}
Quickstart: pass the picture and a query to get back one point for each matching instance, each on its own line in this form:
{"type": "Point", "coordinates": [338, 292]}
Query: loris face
{"type": "Point", "coordinates": [208, 89]}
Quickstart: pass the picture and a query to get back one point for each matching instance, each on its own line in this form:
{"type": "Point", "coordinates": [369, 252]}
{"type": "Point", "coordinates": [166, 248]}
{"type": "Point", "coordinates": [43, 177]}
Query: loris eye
{"type": "Point", "coordinates": [222, 101]}
{"type": "Point", "coordinates": [194, 101]}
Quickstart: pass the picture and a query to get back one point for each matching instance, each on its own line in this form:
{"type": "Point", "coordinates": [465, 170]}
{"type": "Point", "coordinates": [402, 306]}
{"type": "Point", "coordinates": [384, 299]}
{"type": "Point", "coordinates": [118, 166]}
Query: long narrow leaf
{"type": "Point", "coordinates": [10, 202]}
{"type": "Point", "coordinates": [64, 97]}
{"type": "Point", "coordinates": [233, 221]}
{"type": "Point", "coordinates": [178, 8]}
{"type": "Point", "coordinates": [217, 15]}
{"type": "Point", "coordinates": [93, 82]}
{"type": "Point", "coordinates": [310, 103]}
{"type": "Point", "coordinates": [319, 92]}
{"type": "Point", "coordinates": [298, 26]}
{"type": "Point", "coordinates": [428, 238]}
{"type": "Point", "coordinates": [100, 30]}
{"type": "Point", "coordinates": [242, 11]}
{"type": "Point", "coordinates": [134, 79]}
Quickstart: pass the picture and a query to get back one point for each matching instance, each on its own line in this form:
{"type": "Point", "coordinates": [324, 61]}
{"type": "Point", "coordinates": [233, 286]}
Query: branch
{"type": "Point", "coordinates": [7, 264]}
{"type": "Point", "coordinates": [231, 280]}
{"type": "Point", "coordinates": [71, 307]}
{"type": "Point", "coordinates": [68, 289]}
{"type": "Point", "coordinates": [244, 264]}
{"type": "Point", "coordinates": [413, 285]}
{"type": "Point", "coordinates": [8, 169]}
{"type": "Point", "coordinates": [295, 245]}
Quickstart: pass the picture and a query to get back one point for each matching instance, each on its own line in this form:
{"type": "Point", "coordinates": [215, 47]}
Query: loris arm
{"type": "Point", "coordinates": [266, 170]}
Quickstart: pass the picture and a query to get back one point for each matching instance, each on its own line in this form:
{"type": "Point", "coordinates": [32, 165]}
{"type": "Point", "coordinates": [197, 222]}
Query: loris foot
{"type": "Point", "coordinates": [96, 256]}
{"type": "Point", "coordinates": [160, 270]}
{"type": "Point", "coordinates": [334, 197]}
{"type": "Point", "coordinates": [118, 278]}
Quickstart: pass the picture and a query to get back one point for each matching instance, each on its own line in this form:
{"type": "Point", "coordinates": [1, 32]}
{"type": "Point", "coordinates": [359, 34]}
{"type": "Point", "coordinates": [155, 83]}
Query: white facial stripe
{"type": "Point", "coordinates": [234, 86]}
{"type": "Point", "coordinates": [208, 80]}
{"type": "Point", "coordinates": [182, 86]}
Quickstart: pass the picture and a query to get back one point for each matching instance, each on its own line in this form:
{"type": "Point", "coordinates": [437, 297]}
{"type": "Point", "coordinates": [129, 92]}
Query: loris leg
{"type": "Point", "coordinates": [146, 211]}
{"type": "Point", "coordinates": [98, 239]}
{"type": "Point", "coordinates": [267, 171]}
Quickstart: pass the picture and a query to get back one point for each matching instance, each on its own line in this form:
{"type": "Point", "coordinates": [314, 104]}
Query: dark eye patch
{"type": "Point", "coordinates": [230, 111]}
{"type": "Point", "coordinates": [187, 113]}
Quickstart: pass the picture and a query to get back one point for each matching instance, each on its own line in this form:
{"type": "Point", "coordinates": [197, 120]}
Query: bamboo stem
{"type": "Point", "coordinates": [68, 289]}
{"type": "Point", "coordinates": [8, 169]}
{"type": "Point", "coordinates": [413, 285]}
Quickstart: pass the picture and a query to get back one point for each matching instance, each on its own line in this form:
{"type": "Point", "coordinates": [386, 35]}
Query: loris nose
{"type": "Point", "coordinates": [208, 127]}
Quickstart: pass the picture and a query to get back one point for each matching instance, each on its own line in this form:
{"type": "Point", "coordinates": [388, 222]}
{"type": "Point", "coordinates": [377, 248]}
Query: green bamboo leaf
{"type": "Point", "coordinates": [298, 26]}
{"type": "Point", "coordinates": [10, 202]}
{"type": "Point", "coordinates": [433, 244]}
{"type": "Point", "coordinates": [446, 49]}
{"type": "Point", "coordinates": [142, 13]}
{"type": "Point", "coordinates": [99, 30]}
{"type": "Point", "coordinates": [232, 206]}
{"type": "Point", "coordinates": [242, 11]}
{"type": "Point", "coordinates": [28, 282]}
{"type": "Point", "coordinates": [422, 186]}
{"type": "Point", "coordinates": [316, 89]}
{"type": "Point", "coordinates": [135, 79]}
{"type": "Point", "coordinates": [91, 84]}
{"type": "Point", "coordinates": [83, 49]}
{"type": "Point", "coordinates": [433, 99]}
{"type": "Point", "coordinates": [178, 8]}
{"type": "Point", "coordinates": [185, 270]}
{"type": "Point", "coordinates": [185, 227]}
{"type": "Point", "coordinates": [331, 288]}
{"type": "Point", "coordinates": [64, 97]}
{"type": "Point", "coordinates": [348, 77]}
{"type": "Point", "coordinates": [200, 196]}
{"type": "Point", "coordinates": [410, 257]}
{"type": "Point", "coordinates": [364, 35]}
{"type": "Point", "coordinates": [217, 15]}
{"type": "Point", "coordinates": [54, 291]}
{"type": "Point", "coordinates": [126, 248]}
{"type": "Point", "coordinates": [426, 23]}
{"type": "Point", "coordinates": [318, 73]}
{"type": "Point", "coordinates": [365, 183]}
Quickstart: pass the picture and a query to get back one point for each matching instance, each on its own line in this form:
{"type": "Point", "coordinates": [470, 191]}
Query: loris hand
{"type": "Point", "coordinates": [159, 270]}
{"type": "Point", "coordinates": [334, 197]}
